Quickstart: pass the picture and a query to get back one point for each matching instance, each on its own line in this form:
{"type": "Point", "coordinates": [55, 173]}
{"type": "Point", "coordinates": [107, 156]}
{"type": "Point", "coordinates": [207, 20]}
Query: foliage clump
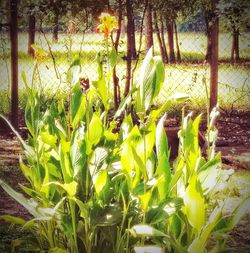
{"type": "Point", "coordinates": [97, 187]}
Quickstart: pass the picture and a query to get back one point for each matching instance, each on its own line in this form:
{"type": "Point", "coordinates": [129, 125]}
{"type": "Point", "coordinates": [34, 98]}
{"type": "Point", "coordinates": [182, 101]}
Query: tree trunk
{"type": "Point", "coordinates": [149, 27]}
{"type": "Point", "coordinates": [32, 31]}
{"type": "Point", "coordinates": [214, 60]}
{"type": "Point", "coordinates": [56, 25]}
{"type": "Point", "coordinates": [209, 42]}
{"type": "Point", "coordinates": [235, 55]}
{"type": "Point", "coordinates": [157, 30]}
{"type": "Point", "coordinates": [132, 31]}
{"type": "Point", "coordinates": [115, 78]}
{"type": "Point", "coordinates": [177, 43]}
{"type": "Point", "coordinates": [163, 40]}
{"type": "Point", "coordinates": [14, 62]}
{"type": "Point", "coordinates": [130, 44]}
{"type": "Point", "coordinates": [170, 31]}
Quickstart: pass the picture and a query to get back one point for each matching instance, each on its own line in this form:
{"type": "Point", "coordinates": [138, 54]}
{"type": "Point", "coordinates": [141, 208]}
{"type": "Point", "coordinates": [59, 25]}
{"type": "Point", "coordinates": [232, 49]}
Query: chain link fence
{"type": "Point", "coordinates": [190, 74]}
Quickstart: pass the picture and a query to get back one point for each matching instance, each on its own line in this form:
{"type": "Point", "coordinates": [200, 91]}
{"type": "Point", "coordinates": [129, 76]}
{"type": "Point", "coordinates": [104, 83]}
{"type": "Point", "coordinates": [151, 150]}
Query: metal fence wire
{"type": "Point", "coordinates": [188, 74]}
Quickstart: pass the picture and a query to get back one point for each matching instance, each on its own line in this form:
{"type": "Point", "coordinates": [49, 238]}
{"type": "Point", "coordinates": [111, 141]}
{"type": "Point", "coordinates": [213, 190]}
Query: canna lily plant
{"type": "Point", "coordinates": [96, 187]}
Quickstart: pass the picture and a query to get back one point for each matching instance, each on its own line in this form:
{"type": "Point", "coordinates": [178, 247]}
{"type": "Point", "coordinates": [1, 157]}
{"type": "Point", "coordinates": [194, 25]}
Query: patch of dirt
{"type": "Point", "coordinates": [10, 151]}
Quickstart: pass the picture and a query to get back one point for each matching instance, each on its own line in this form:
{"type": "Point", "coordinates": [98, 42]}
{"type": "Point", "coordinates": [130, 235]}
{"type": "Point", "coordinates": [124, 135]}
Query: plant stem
{"type": "Point", "coordinates": [73, 217]}
{"type": "Point", "coordinates": [108, 65]}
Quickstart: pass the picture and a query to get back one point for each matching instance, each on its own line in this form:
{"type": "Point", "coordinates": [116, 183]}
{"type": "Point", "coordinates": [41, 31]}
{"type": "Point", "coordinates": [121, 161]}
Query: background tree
{"type": "Point", "coordinates": [31, 28]}
{"type": "Point", "coordinates": [236, 19]}
{"type": "Point", "coordinates": [149, 26]}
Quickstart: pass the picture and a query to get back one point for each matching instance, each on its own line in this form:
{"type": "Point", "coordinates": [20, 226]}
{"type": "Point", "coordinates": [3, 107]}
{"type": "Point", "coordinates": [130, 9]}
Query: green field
{"type": "Point", "coordinates": [234, 84]}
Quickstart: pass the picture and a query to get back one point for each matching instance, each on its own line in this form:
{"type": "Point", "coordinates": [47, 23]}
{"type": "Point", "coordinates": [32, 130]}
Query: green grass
{"type": "Point", "coordinates": [184, 77]}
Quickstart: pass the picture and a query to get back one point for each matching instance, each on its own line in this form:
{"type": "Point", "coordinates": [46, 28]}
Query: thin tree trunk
{"type": "Point", "coordinates": [177, 43]}
{"type": "Point", "coordinates": [115, 78]}
{"type": "Point", "coordinates": [132, 33]}
{"type": "Point", "coordinates": [56, 25]}
{"type": "Point", "coordinates": [163, 56]}
{"type": "Point", "coordinates": [163, 39]}
{"type": "Point", "coordinates": [14, 62]}
{"type": "Point", "coordinates": [235, 55]}
{"type": "Point", "coordinates": [32, 32]}
{"type": "Point", "coordinates": [209, 42]}
{"type": "Point", "coordinates": [237, 50]}
{"type": "Point", "coordinates": [149, 27]}
{"type": "Point", "coordinates": [233, 47]}
{"type": "Point", "coordinates": [130, 44]}
{"type": "Point", "coordinates": [171, 41]}
{"type": "Point", "coordinates": [214, 60]}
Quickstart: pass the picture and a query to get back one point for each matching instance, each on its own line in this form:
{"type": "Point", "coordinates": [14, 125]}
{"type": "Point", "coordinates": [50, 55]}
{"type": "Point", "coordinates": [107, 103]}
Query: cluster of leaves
{"type": "Point", "coordinates": [97, 187]}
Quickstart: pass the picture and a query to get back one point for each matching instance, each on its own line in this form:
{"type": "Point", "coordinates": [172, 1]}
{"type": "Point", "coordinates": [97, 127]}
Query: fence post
{"type": "Point", "coordinates": [214, 59]}
{"type": "Point", "coordinates": [14, 63]}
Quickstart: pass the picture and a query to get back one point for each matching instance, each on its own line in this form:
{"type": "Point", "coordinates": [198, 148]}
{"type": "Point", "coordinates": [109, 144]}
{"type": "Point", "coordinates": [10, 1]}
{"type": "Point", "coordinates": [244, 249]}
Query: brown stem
{"type": "Point", "coordinates": [163, 39]}
{"type": "Point", "coordinates": [177, 43]}
{"type": "Point", "coordinates": [159, 38]}
{"type": "Point", "coordinates": [171, 41]}
{"type": "Point", "coordinates": [116, 43]}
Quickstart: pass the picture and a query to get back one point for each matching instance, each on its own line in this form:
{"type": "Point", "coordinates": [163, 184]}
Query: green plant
{"type": "Point", "coordinates": [97, 187]}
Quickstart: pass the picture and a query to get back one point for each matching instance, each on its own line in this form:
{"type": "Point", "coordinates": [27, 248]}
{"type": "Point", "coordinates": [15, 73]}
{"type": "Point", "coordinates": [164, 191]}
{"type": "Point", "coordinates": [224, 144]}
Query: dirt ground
{"type": "Point", "coordinates": [233, 142]}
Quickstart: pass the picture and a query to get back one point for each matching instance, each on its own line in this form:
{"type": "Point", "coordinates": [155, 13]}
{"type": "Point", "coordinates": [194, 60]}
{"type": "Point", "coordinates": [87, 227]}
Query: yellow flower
{"type": "Point", "coordinates": [108, 24]}
{"type": "Point", "coordinates": [40, 54]}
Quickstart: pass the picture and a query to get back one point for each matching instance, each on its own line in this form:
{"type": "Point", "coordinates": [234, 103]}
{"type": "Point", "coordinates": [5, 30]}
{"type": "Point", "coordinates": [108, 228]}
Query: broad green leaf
{"type": "Point", "coordinates": [148, 249]}
{"type": "Point", "coordinates": [152, 74]}
{"type": "Point", "coordinates": [163, 167]}
{"type": "Point", "coordinates": [84, 208]}
{"type": "Point", "coordinates": [175, 225]}
{"type": "Point", "coordinates": [66, 166]}
{"type": "Point", "coordinates": [126, 127]}
{"type": "Point", "coordinates": [27, 172]}
{"type": "Point", "coordinates": [95, 131]}
{"type": "Point", "coordinates": [189, 143]}
{"type": "Point", "coordinates": [146, 230]}
{"type": "Point", "coordinates": [77, 105]}
{"type": "Point", "coordinates": [28, 118]}
{"type": "Point", "coordinates": [80, 113]}
{"type": "Point", "coordinates": [209, 174]}
{"type": "Point", "coordinates": [73, 73]}
{"type": "Point", "coordinates": [48, 138]}
{"type": "Point", "coordinates": [29, 204]}
{"type": "Point", "coordinates": [195, 204]}
{"type": "Point", "coordinates": [242, 209]}
{"type": "Point", "coordinates": [146, 144]}
{"type": "Point", "coordinates": [173, 206]}
{"type": "Point", "coordinates": [199, 243]}
{"type": "Point", "coordinates": [155, 215]}
{"type": "Point", "coordinates": [46, 188]}
{"type": "Point", "coordinates": [13, 219]}
{"type": "Point", "coordinates": [125, 103]}
{"type": "Point", "coordinates": [150, 165]}
{"type": "Point", "coordinates": [28, 90]}
{"type": "Point", "coordinates": [78, 151]}
{"type": "Point", "coordinates": [54, 168]}
{"type": "Point", "coordinates": [97, 160]}
{"type": "Point", "coordinates": [113, 58]}
{"type": "Point", "coordinates": [70, 188]}
{"type": "Point", "coordinates": [31, 192]}
{"type": "Point", "coordinates": [100, 84]}
{"type": "Point", "coordinates": [145, 198]}
{"type": "Point", "coordinates": [100, 180]}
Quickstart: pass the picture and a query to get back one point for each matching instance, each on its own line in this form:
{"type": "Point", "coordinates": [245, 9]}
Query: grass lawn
{"type": "Point", "coordinates": [234, 84]}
